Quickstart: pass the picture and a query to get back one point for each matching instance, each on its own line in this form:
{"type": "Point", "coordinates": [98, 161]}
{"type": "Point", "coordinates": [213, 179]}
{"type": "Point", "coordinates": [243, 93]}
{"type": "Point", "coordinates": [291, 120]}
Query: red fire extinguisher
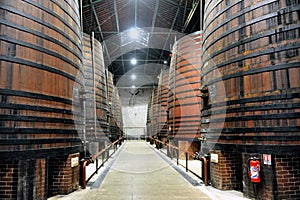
{"type": "Point", "coordinates": [254, 168]}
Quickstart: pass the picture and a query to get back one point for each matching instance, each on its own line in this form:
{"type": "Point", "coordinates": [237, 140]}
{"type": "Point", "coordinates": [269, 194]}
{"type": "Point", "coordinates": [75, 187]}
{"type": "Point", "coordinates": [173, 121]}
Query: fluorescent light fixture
{"type": "Point", "coordinates": [133, 61]}
{"type": "Point", "coordinates": [133, 76]}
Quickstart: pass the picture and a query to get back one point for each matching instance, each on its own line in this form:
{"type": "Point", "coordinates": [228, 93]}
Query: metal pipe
{"type": "Point", "coordinates": [97, 164]}
{"type": "Point", "coordinates": [85, 163]}
{"type": "Point", "coordinates": [186, 162]}
{"type": "Point", "coordinates": [202, 158]}
{"type": "Point", "coordinates": [177, 156]}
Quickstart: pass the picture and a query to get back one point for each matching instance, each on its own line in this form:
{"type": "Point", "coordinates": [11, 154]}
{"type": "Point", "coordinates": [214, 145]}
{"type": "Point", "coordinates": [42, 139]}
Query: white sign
{"type": "Point", "coordinates": [267, 159]}
{"type": "Point", "coordinates": [74, 162]}
{"type": "Point", "coordinates": [214, 158]}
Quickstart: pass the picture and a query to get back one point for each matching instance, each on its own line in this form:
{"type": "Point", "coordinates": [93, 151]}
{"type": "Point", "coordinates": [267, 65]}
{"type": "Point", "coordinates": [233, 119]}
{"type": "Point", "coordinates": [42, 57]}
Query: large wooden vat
{"type": "Point", "coordinates": [37, 77]}
{"type": "Point", "coordinates": [184, 91]}
{"type": "Point", "coordinates": [154, 113]}
{"type": "Point", "coordinates": [114, 111]}
{"type": "Point", "coordinates": [252, 50]}
{"type": "Point", "coordinates": [250, 88]}
{"type": "Point", "coordinates": [117, 121]}
{"type": "Point", "coordinates": [96, 107]}
{"type": "Point", "coordinates": [148, 123]}
{"type": "Point", "coordinates": [172, 101]}
{"type": "Point", "coordinates": [119, 116]}
{"type": "Point", "coordinates": [40, 56]}
{"type": "Point", "coordinates": [162, 105]}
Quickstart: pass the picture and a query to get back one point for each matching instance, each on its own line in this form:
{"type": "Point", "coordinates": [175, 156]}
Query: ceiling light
{"type": "Point", "coordinates": [165, 62]}
{"type": "Point", "coordinates": [133, 76]}
{"type": "Point", "coordinates": [134, 33]}
{"type": "Point", "coordinates": [133, 61]}
{"type": "Point", "coordinates": [133, 86]}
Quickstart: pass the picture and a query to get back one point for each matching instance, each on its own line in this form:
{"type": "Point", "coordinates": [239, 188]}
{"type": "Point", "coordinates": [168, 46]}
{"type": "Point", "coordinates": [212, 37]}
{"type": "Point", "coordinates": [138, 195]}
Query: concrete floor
{"type": "Point", "coordinates": [140, 173]}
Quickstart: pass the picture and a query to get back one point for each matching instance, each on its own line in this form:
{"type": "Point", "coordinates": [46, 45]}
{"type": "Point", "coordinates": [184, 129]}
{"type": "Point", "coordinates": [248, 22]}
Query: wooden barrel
{"type": "Point", "coordinates": [172, 101]}
{"type": "Point", "coordinates": [162, 105]}
{"type": "Point", "coordinates": [110, 87]}
{"type": "Point", "coordinates": [251, 48]}
{"type": "Point", "coordinates": [119, 115]}
{"type": "Point", "coordinates": [110, 96]}
{"type": "Point", "coordinates": [115, 112]}
{"type": "Point", "coordinates": [95, 86]}
{"type": "Point", "coordinates": [40, 57]}
{"type": "Point", "coordinates": [148, 122]}
{"type": "Point", "coordinates": [39, 62]}
{"type": "Point", "coordinates": [153, 113]}
{"type": "Point", "coordinates": [184, 85]}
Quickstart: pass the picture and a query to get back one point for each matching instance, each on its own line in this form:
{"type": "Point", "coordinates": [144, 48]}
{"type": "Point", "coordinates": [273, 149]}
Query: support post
{"type": "Point", "coordinates": [186, 162]}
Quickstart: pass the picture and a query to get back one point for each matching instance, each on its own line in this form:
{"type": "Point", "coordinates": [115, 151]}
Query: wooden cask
{"type": "Point", "coordinates": [153, 113]}
{"type": "Point", "coordinates": [251, 49]}
{"type": "Point", "coordinates": [119, 116]}
{"type": "Point", "coordinates": [117, 125]}
{"type": "Point", "coordinates": [40, 58]}
{"type": "Point", "coordinates": [162, 106]}
{"type": "Point", "coordinates": [110, 96]}
{"type": "Point", "coordinates": [115, 110]}
{"type": "Point", "coordinates": [39, 62]}
{"type": "Point", "coordinates": [184, 90]}
{"type": "Point", "coordinates": [96, 106]}
{"type": "Point", "coordinates": [148, 122]}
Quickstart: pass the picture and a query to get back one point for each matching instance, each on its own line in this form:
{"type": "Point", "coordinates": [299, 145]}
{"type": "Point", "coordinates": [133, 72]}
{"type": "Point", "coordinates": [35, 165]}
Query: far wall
{"type": "Point", "coordinates": [134, 120]}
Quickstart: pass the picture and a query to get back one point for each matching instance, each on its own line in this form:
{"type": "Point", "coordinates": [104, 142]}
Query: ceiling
{"type": "Point", "coordinates": [141, 29]}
